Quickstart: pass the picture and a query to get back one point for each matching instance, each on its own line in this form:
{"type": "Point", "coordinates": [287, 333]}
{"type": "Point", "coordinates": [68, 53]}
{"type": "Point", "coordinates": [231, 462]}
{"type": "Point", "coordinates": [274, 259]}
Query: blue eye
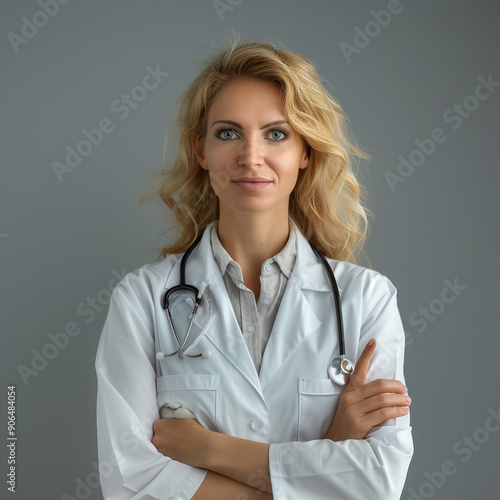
{"type": "Point", "coordinates": [225, 134]}
{"type": "Point", "coordinates": [278, 135]}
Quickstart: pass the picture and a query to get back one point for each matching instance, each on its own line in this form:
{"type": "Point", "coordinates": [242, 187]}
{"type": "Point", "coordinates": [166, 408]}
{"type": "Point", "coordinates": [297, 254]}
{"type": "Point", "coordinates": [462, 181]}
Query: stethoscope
{"type": "Point", "coordinates": [339, 369]}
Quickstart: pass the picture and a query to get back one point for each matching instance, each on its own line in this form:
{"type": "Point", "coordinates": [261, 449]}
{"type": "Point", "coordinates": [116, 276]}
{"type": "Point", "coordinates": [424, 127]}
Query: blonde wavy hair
{"type": "Point", "coordinates": [326, 201]}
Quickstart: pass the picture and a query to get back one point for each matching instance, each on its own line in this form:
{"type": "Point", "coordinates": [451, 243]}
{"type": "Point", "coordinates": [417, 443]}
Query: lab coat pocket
{"type": "Point", "coordinates": [318, 401]}
{"type": "Point", "coordinates": [197, 392]}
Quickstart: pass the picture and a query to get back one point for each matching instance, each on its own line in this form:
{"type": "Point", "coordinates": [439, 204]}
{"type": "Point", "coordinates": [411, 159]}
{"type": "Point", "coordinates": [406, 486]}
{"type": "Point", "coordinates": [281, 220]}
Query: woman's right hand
{"type": "Point", "coordinates": [362, 406]}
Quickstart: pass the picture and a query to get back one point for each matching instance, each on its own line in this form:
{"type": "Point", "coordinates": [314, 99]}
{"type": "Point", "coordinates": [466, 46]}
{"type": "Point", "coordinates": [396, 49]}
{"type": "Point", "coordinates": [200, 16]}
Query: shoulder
{"type": "Point", "coordinates": [356, 276]}
{"type": "Point", "coordinates": [362, 285]}
{"type": "Point", "coordinates": [144, 284]}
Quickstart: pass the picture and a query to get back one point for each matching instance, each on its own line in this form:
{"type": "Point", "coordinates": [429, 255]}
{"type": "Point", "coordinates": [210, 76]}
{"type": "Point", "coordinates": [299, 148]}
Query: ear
{"type": "Point", "coordinates": [304, 162]}
{"type": "Point", "coordinates": [198, 148]}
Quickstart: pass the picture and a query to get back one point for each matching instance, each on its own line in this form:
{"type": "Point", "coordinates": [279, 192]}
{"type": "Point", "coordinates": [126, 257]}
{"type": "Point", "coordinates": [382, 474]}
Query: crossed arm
{"type": "Point", "coordinates": [240, 466]}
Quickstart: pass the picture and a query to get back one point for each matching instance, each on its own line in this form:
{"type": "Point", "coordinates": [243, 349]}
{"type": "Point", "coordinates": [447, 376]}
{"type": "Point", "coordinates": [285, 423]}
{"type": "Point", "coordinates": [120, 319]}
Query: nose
{"type": "Point", "coordinates": [251, 152]}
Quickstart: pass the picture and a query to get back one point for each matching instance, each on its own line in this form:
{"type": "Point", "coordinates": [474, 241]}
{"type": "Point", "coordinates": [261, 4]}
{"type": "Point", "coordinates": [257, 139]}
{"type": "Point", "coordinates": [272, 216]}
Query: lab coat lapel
{"type": "Point", "coordinates": [296, 319]}
{"type": "Point", "coordinates": [223, 329]}
{"type": "Point", "coordinates": [226, 335]}
{"type": "Point", "coordinates": [294, 322]}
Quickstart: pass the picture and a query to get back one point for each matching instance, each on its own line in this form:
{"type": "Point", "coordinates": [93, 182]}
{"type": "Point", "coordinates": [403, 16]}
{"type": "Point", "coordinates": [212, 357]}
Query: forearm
{"type": "Point", "coordinates": [224, 488]}
{"type": "Point", "coordinates": [240, 459]}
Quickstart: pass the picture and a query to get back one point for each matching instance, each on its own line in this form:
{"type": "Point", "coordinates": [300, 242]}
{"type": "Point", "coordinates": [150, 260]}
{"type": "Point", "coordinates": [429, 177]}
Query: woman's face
{"type": "Point", "coordinates": [250, 150]}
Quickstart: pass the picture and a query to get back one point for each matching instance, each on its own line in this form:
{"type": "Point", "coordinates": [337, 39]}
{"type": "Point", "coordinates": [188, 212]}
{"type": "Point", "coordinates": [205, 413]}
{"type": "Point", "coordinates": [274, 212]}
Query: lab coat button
{"type": "Point", "coordinates": [257, 424]}
{"type": "Point", "coordinates": [250, 329]}
{"type": "Point", "coordinates": [269, 267]}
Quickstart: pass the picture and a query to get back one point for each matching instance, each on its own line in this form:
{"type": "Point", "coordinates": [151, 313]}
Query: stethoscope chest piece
{"type": "Point", "coordinates": [340, 370]}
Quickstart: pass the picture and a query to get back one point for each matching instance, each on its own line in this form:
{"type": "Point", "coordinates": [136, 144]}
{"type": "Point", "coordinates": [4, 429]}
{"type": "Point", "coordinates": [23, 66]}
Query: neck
{"type": "Point", "coordinates": [251, 239]}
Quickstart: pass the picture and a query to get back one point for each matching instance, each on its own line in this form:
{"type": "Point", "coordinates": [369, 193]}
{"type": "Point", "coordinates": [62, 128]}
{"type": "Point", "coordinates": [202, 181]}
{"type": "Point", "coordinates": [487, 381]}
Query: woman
{"type": "Point", "coordinates": [264, 170]}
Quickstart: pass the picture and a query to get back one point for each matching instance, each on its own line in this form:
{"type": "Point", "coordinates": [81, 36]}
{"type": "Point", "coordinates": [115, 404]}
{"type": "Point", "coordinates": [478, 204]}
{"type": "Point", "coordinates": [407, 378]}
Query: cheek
{"type": "Point", "coordinates": [220, 165]}
{"type": "Point", "coordinates": [288, 157]}
{"type": "Point", "coordinates": [287, 166]}
{"type": "Point", "coordinates": [221, 158]}
{"type": "Point", "coordinates": [290, 181]}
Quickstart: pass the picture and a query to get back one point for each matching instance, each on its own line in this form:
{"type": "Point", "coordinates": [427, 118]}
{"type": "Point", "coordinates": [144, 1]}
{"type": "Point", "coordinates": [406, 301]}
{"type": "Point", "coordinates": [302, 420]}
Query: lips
{"type": "Point", "coordinates": [251, 179]}
{"type": "Point", "coordinates": [252, 183]}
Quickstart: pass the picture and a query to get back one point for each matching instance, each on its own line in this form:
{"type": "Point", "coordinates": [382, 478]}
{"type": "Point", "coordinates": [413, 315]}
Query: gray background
{"type": "Point", "coordinates": [61, 241]}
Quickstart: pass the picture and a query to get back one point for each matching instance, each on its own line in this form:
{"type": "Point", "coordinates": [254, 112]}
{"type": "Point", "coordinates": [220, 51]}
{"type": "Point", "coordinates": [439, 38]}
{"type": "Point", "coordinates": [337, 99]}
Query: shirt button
{"type": "Point", "coordinates": [257, 424]}
{"type": "Point", "coordinates": [269, 288]}
{"type": "Point", "coordinates": [250, 329]}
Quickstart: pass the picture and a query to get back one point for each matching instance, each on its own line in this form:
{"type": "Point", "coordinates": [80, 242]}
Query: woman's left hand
{"type": "Point", "coordinates": [184, 440]}
{"type": "Point", "coordinates": [363, 406]}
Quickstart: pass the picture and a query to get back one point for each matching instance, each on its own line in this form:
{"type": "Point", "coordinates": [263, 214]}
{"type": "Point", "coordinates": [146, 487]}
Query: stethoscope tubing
{"type": "Point", "coordinates": [339, 369]}
{"type": "Point", "coordinates": [336, 295]}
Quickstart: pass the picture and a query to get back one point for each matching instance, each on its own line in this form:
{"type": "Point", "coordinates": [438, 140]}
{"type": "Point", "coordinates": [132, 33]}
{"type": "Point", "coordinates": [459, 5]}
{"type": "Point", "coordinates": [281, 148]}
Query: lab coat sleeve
{"type": "Point", "coordinates": [374, 467]}
{"type": "Point", "coordinates": [130, 466]}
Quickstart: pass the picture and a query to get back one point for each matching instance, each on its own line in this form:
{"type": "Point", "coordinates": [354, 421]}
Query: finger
{"type": "Point", "coordinates": [381, 386]}
{"type": "Point", "coordinates": [359, 375]}
{"type": "Point", "coordinates": [380, 401]}
{"type": "Point", "coordinates": [379, 416]}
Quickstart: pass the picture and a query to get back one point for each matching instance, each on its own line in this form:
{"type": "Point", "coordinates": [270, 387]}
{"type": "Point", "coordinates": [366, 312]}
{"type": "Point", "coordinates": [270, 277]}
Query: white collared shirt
{"type": "Point", "coordinates": [256, 318]}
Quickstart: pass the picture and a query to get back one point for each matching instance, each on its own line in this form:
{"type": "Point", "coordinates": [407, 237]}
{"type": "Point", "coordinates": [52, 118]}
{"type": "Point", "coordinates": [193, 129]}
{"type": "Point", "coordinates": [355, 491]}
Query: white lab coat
{"type": "Point", "coordinates": [289, 404]}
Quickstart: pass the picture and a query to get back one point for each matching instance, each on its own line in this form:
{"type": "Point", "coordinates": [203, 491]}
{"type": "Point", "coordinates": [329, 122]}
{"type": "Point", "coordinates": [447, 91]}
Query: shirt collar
{"type": "Point", "coordinates": [285, 259]}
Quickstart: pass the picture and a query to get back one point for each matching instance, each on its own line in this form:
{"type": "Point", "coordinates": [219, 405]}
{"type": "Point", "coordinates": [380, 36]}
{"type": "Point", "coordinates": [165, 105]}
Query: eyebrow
{"type": "Point", "coordinates": [237, 125]}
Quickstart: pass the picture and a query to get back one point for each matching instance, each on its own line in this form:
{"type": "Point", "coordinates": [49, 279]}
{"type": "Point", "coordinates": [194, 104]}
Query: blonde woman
{"type": "Point", "coordinates": [264, 173]}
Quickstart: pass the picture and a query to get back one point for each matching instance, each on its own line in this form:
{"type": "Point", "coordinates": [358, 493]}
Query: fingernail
{"type": "Point", "coordinates": [370, 343]}
{"type": "Point", "coordinates": [408, 400]}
